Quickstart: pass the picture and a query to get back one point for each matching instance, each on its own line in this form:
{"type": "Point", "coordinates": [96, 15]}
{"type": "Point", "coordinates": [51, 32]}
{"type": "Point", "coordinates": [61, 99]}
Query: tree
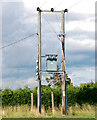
{"type": "Point", "coordinates": [56, 79]}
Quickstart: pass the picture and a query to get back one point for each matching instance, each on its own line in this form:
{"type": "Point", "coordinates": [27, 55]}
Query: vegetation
{"type": "Point", "coordinates": [86, 93]}
{"type": "Point", "coordinates": [24, 111]}
{"type": "Point", "coordinates": [56, 79]}
{"type": "Point", "coordinates": [81, 102]}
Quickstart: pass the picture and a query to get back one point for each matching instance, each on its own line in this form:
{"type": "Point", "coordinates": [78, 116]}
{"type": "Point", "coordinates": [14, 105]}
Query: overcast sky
{"type": "Point", "coordinates": [19, 20]}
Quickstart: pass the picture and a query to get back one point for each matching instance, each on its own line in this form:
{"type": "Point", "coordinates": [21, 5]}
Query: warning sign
{"type": "Point", "coordinates": [63, 93]}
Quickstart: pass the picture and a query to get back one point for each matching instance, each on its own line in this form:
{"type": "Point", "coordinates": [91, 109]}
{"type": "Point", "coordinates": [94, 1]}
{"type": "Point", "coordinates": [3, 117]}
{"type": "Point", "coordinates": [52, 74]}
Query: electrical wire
{"type": "Point", "coordinates": [56, 15]}
{"type": "Point", "coordinates": [17, 41]}
{"type": "Point", "coordinates": [58, 21]}
{"type": "Point", "coordinates": [49, 24]}
{"type": "Point", "coordinates": [44, 3]}
{"type": "Point", "coordinates": [75, 4]}
{"type": "Point", "coordinates": [59, 3]}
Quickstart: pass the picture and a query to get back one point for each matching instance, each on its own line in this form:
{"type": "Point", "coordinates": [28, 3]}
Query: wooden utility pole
{"type": "Point", "coordinates": [52, 96]}
{"type": "Point", "coordinates": [64, 97]}
{"type": "Point", "coordinates": [32, 101]}
{"type": "Point", "coordinates": [39, 60]}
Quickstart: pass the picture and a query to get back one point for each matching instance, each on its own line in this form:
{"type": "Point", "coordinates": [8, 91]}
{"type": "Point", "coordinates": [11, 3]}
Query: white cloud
{"type": "Point", "coordinates": [81, 75]}
{"type": "Point", "coordinates": [14, 83]}
{"type": "Point", "coordinates": [78, 45]}
{"type": "Point", "coordinates": [84, 7]}
{"type": "Point", "coordinates": [30, 20]}
{"type": "Point", "coordinates": [76, 58]}
{"type": "Point", "coordinates": [85, 25]}
{"type": "Point", "coordinates": [31, 81]}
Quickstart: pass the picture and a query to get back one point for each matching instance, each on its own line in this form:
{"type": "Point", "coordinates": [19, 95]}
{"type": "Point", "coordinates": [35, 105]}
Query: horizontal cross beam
{"type": "Point", "coordinates": [52, 10]}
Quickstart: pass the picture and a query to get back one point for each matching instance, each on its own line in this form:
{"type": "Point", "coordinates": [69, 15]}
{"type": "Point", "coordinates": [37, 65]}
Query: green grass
{"type": "Point", "coordinates": [86, 111]}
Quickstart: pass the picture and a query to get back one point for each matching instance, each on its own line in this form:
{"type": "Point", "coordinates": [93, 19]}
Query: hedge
{"type": "Point", "coordinates": [86, 93]}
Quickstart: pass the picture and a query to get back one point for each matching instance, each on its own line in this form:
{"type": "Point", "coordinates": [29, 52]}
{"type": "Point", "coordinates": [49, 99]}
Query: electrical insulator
{"type": "Point", "coordinates": [56, 56]}
{"type": "Point", "coordinates": [38, 9]}
{"type": "Point", "coordinates": [36, 74]}
{"type": "Point", "coordinates": [47, 56]}
{"type": "Point", "coordinates": [51, 56]}
{"type": "Point", "coordinates": [37, 62]}
{"type": "Point", "coordinates": [52, 9]}
{"type": "Point", "coordinates": [66, 10]}
{"type": "Point", "coordinates": [36, 68]}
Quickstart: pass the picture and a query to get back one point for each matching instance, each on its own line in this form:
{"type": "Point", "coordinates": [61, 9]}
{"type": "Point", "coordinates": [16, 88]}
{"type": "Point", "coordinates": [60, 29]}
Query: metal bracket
{"type": "Point", "coordinates": [50, 72]}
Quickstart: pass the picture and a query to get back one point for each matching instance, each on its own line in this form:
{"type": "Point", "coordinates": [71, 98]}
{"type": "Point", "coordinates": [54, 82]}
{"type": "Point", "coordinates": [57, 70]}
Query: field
{"type": "Point", "coordinates": [24, 111]}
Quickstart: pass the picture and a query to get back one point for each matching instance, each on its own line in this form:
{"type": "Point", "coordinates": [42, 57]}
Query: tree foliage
{"type": "Point", "coordinates": [86, 93]}
{"type": "Point", "coordinates": [56, 80]}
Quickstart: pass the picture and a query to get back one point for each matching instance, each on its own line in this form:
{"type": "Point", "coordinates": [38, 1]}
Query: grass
{"type": "Point", "coordinates": [24, 111]}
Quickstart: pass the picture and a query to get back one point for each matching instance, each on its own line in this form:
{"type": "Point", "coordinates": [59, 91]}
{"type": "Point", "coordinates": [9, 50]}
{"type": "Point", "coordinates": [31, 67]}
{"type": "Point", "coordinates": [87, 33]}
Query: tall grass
{"type": "Point", "coordinates": [24, 111]}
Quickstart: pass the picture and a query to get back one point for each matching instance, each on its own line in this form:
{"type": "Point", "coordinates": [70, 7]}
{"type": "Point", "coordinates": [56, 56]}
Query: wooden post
{"type": "Point", "coordinates": [64, 97]}
{"type": "Point", "coordinates": [32, 101]}
{"type": "Point", "coordinates": [63, 68]}
{"type": "Point", "coordinates": [52, 96]}
{"type": "Point", "coordinates": [39, 60]}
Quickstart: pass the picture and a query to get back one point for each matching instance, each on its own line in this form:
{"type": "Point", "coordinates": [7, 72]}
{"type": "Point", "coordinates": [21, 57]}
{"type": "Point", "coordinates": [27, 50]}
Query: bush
{"type": "Point", "coordinates": [86, 93]}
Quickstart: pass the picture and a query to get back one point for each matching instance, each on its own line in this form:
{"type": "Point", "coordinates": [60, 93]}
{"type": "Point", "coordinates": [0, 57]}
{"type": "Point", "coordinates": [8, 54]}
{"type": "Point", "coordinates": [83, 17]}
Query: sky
{"type": "Point", "coordinates": [19, 19]}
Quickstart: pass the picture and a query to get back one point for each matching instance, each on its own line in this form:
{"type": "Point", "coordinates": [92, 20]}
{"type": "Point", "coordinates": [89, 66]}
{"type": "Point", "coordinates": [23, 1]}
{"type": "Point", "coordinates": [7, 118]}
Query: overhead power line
{"type": "Point", "coordinates": [44, 3]}
{"type": "Point", "coordinates": [61, 2]}
{"type": "Point", "coordinates": [49, 23]}
{"type": "Point", "coordinates": [58, 21]}
{"type": "Point", "coordinates": [17, 41]}
{"type": "Point", "coordinates": [75, 4]}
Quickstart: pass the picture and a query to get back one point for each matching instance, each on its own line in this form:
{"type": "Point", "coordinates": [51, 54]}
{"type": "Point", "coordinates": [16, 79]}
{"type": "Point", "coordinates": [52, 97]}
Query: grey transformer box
{"type": "Point", "coordinates": [51, 62]}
